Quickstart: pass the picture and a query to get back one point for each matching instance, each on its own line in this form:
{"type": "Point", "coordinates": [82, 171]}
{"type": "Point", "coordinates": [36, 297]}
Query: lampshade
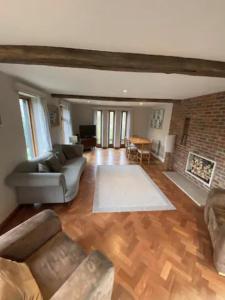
{"type": "Point", "coordinates": [73, 139]}
{"type": "Point", "coordinates": [170, 143]}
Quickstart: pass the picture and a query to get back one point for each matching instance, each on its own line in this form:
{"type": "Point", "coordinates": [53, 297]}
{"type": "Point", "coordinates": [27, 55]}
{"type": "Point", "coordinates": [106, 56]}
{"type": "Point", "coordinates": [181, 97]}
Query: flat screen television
{"type": "Point", "coordinates": [87, 131]}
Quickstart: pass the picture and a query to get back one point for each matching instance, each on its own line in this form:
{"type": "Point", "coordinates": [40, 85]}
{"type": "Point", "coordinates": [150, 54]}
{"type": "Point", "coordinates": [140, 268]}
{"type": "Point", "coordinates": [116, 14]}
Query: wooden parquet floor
{"type": "Point", "coordinates": [157, 255]}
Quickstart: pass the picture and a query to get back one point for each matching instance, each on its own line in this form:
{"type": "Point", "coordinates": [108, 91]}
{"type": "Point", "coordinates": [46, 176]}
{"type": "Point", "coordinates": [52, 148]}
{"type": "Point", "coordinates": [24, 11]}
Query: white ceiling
{"type": "Point", "coordinates": [176, 27]}
{"type": "Point", "coordinates": [193, 28]}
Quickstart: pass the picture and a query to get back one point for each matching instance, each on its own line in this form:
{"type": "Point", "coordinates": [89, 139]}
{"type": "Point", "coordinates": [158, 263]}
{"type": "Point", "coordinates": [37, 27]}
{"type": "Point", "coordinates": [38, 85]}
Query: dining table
{"type": "Point", "coordinates": [136, 140]}
{"type": "Point", "coordinates": [141, 143]}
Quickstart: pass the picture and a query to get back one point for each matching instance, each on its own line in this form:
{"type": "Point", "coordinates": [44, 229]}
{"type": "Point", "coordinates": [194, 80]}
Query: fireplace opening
{"type": "Point", "coordinates": [201, 168]}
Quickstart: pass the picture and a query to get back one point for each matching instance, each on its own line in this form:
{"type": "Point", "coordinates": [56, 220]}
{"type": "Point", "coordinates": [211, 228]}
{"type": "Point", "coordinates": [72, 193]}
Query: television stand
{"type": "Point", "coordinates": [88, 143]}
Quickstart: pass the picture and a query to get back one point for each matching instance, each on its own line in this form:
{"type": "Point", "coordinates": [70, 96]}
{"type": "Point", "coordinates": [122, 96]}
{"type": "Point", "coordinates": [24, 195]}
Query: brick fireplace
{"type": "Point", "coordinates": [204, 136]}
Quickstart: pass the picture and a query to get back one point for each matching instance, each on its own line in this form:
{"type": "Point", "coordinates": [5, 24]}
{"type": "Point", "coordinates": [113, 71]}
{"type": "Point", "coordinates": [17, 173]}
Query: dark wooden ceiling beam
{"type": "Point", "coordinates": [117, 99]}
{"type": "Point", "coordinates": [112, 61]}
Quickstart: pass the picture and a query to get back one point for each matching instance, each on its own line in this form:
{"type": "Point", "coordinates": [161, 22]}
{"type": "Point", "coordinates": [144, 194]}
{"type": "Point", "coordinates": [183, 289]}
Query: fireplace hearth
{"type": "Point", "coordinates": [201, 168]}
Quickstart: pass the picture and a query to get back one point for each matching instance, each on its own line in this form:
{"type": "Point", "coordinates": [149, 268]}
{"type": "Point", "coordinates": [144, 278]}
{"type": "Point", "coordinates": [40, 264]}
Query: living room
{"type": "Point", "coordinates": [113, 150]}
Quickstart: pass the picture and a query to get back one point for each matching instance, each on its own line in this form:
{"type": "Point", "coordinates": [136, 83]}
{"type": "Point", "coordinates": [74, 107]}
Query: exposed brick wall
{"type": "Point", "coordinates": [206, 134]}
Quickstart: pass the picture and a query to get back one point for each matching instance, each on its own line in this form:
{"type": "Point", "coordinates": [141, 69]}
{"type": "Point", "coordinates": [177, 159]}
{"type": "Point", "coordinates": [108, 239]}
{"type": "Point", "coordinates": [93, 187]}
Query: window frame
{"type": "Point", "coordinates": [28, 100]}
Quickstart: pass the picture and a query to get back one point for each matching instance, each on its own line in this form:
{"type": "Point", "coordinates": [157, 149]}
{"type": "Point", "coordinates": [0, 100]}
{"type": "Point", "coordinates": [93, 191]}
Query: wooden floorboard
{"type": "Point", "coordinates": [164, 255]}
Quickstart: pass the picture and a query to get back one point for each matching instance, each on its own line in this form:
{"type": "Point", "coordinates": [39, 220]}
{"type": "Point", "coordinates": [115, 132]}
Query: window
{"type": "Point", "coordinates": [66, 123]}
{"type": "Point", "coordinates": [111, 127]}
{"type": "Point", "coordinates": [99, 127]}
{"type": "Point", "coordinates": [35, 126]}
{"type": "Point", "coordinates": [28, 127]}
{"type": "Point", "coordinates": [123, 128]}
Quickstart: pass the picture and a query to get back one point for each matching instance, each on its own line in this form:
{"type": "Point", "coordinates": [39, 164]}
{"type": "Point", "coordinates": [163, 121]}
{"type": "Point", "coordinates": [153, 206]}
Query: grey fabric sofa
{"type": "Point", "coordinates": [59, 265]}
{"type": "Point", "coordinates": [214, 214]}
{"type": "Point", "coordinates": [34, 187]}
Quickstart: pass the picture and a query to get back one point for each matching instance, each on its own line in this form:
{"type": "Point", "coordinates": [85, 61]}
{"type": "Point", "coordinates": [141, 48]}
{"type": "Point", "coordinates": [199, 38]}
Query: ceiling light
{"type": "Point", "coordinates": [141, 103]}
{"type": "Point", "coordinates": [124, 91]}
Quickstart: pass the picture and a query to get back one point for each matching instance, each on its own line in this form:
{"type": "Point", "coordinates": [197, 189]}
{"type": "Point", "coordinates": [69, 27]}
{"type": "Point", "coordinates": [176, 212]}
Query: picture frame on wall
{"type": "Point", "coordinates": [53, 112]}
{"type": "Point", "coordinates": [157, 118]}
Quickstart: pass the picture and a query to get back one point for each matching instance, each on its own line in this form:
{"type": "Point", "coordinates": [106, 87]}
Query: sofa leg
{"type": "Point", "coordinates": [37, 205]}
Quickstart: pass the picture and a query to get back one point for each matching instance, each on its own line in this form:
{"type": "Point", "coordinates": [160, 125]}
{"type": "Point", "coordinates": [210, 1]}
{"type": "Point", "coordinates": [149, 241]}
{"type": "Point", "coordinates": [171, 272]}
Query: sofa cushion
{"type": "Point", "coordinates": [61, 157]}
{"type": "Point", "coordinates": [212, 226]}
{"type": "Point", "coordinates": [69, 151]}
{"type": "Point", "coordinates": [31, 166]}
{"type": "Point", "coordinates": [219, 212]}
{"type": "Point", "coordinates": [54, 262]}
{"type": "Point", "coordinates": [53, 163]}
{"type": "Point", "coordinates": [43, 168]}
{"type": "Point", "coordinates": [72, 172]}
{"type": "Point", "coordinates": [17, 282]}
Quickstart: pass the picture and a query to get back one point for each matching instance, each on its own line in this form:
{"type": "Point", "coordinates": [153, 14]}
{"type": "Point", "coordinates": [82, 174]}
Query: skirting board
{"type": "Point", "coordinates": [158, 157]}
{"type": "Point", "coordinates": [197, 194]}
{"type": "Point", "coordinates": [10, 216]}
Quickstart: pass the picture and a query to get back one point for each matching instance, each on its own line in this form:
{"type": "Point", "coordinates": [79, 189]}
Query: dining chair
{"type": "Point", "coordinates": [144, 152]}
{"type": "Point", "coordinates": [131, 149]}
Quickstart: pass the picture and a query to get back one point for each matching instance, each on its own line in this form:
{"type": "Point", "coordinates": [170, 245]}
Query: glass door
{"type": "Point", "coordinates": [123, 132]}
{"type": "Point", "coordinates": [99, 128]}
{"type": "Point", "coordinates": [111, 128]}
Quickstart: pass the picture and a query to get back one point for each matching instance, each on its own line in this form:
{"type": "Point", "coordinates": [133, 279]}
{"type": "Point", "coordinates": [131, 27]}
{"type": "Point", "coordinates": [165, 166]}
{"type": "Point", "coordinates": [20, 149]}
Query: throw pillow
{"type": "Point", "coordinates": [17, 282]}
{"type": "Point", "coordinates": [69, 151]}
{"type": "Point", "coordinates": [43, 168]}
{"type": "Point", "coordinates": [61, 156]}
{"type": "Point", "coordinates": [53, 163]}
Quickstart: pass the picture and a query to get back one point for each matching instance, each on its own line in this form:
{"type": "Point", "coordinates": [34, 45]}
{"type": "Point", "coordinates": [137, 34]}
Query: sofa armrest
{"type": "Point", "coordinates": [21, 241]}
{"type": "Point", "coordinates": [36, 179]}
{"type": "Point", "coordinates": [93, 279]}
{"type": "Point", "coordinates": [78, 148]}
{"type": "Point", "coordinates": [219, 250]}
{"type": "Point", "coordinates": [215, 197]}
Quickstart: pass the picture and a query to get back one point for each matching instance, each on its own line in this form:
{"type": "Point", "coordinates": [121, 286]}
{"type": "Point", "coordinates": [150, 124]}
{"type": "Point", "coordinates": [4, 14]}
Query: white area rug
{"type": "Point", "coordinates": [127, 188]}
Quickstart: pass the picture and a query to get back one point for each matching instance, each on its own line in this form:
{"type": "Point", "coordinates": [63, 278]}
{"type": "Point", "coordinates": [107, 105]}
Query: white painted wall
{"type": "Point", "coordinates": [160, 134]}
{"type": "Point", "coordinates": [117, 129]}
{"type": "Point", "coordinates": [12, 144]}
{"type": "Point", "coordinates": [141, 121]}
{"type": "Point", "coordinates": [82, 114]}
{"type": "Point", "coordinates": [105, 117]}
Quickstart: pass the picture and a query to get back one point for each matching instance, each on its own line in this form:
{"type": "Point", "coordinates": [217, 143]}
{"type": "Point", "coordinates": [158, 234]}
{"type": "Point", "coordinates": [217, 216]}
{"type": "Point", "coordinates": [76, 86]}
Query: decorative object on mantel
{"type": "Point", "coordinates": [201, 168]}
{"type": "Point", "coordinates": [157, 118]}
{"type": "Point", "coordinates": [53, 112]}
{"type": "Point", "coordinates": [185, 131]}
{"type": "Point", "coordinates": [169, 149]}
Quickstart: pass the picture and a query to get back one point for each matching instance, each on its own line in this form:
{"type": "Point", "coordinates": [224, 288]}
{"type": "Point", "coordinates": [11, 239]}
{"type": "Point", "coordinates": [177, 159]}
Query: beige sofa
{"type": "Point", "coordinates": [214, 215]}
{"type": "Point", "coordinates": [59, 265]}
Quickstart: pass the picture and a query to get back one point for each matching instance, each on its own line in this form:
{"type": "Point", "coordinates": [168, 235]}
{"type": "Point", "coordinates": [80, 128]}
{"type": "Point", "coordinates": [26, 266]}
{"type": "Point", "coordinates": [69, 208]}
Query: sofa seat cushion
{"type": "Point", "coordinates": [72, 172]}
{"type": "Point", "coordinates": [54, 262]}
{"type": "Point", "coordinates": [219, 212]}
{"type": "Point", "coordinates": [78, 162]}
